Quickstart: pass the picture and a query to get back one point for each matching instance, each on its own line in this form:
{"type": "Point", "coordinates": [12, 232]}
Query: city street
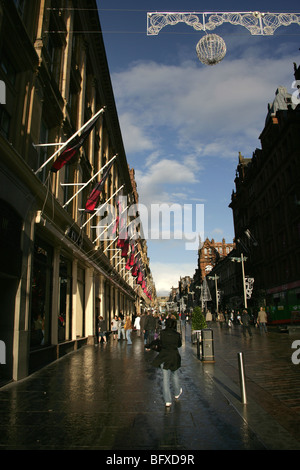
{"type": "Point", "coordinates": [109, 397]}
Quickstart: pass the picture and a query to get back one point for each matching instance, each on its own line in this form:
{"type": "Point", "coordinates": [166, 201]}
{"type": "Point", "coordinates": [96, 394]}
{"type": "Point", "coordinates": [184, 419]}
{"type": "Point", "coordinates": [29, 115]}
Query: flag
{"type": "Point", "coordinates": [73, 146]}
{"type": "Point", "coordinates": [140, 277]}
{"type": "Point", "coordinates": [95, 194]}
{"type": "Point", "coordinates": [125, 249]}
{"type": "Point", "coordinates": [120, 226]}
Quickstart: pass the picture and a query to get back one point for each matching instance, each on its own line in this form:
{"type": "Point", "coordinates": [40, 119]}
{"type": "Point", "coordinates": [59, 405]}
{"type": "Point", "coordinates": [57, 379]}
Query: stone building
{"type": "Point", "coordinates": [210, 253]}
{"type": "Point", "coordinates": [58, 272]}
{"type": "Point", "coordinates": [266, 210]}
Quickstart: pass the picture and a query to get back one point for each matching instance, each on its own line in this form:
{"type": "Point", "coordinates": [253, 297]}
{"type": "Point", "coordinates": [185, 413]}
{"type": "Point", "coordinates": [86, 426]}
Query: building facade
{"type": "Point", "coordinates": [210, 253]}
{"type": "Point", "coordinates": [59, 271]}
{"type": "Point", "coordinates": [266, 210]}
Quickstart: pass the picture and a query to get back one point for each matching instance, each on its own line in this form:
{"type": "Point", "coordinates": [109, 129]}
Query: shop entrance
{"type": "Point", "coordinates": [8, 291]}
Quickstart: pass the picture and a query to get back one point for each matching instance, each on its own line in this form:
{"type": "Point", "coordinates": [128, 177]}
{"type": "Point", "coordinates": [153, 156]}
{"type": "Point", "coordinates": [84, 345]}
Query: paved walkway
{"type": "Point", "coordinates": [109, 397]}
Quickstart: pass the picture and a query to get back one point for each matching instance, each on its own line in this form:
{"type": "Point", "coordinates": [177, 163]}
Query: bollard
{"type": "Point", "coordinates": [242, 377]}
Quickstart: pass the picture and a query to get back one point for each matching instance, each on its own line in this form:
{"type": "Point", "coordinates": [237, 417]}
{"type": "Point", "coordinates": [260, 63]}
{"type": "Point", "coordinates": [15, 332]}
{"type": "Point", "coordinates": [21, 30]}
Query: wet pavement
{"type": "Point", "coordinates": [109, 398]}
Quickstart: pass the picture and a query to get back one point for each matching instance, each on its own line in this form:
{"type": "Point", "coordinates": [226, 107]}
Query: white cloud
{"type": "Point", "coordinates": [198, 108]}
{"type": "Point", "coordinates": [136, 139]}
{"type": "Point", "coordinates": [167, 275]}
{"type": "Point", "coordinates": [151, 181]}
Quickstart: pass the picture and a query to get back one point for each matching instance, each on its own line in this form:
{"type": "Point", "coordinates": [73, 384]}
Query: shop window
{"type": "Point", "coordinates": [20, 6]}
{"type": "Point", "coordinates": [65, 300]}
{"type": "Point", "coordinates": [80, 308]}
{"type": "Point", "coordinates": [42, 152]}
{"type": "Point", "coordinates": [8, 69]}
{"type": "Point", "coordinates": [41, 295]}
{"type": "Point", "coordinates": [4, 122]}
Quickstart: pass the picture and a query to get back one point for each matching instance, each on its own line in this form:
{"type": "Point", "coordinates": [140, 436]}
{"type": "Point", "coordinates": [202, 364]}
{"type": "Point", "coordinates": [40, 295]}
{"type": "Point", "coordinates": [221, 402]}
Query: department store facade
{"type": "Point", "coordinates": [57, 276]}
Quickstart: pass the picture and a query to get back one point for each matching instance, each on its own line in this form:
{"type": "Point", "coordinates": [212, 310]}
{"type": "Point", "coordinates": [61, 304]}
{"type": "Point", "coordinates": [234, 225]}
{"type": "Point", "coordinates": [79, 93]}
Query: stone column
{"type": "Point", "coordinates": [89, 305]}
{"type": "Point", "coordinates": [74, 298]}
{"type": "Point", "coordinates": [55, 296]}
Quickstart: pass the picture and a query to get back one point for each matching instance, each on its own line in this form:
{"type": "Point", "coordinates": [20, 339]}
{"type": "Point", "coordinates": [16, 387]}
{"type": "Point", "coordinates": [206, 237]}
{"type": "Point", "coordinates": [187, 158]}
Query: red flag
{"type": "Point", "coordinates": [95, 194]}
{"type": "Point", "coordinates": [140, 278]}
{"type": "Point", "coordinates": [125, 249]}
{"type": "Point", "coordinates": [134, 271]}
{"type": "Point", "coordinates": [74, 145]}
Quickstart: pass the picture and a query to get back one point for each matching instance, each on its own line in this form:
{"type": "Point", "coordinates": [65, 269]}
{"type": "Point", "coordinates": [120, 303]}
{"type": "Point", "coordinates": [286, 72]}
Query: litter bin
{"type": "Point", "coordinates": [207, 344]}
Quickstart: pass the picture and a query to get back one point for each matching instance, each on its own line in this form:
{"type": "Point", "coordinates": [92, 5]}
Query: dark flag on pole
{"type": "Point", "coordinates": [95, 194]}
{"type": "Point", "coordinates": [73, 146]}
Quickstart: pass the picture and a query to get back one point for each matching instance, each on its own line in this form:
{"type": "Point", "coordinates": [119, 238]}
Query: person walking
{"type": "Point", "coordinates": [137, 324]}
{"type": "Point", "coordinates": [149, 329]}
{"type": "Point", "coordinates": [208, 318]}
{"type": "Point", "coordinates": [169, 360]}
{"type": "Point", "coordinates": [245, 320]}
{"type": "Point", "coordinates": [114, 326]}
{"type": "Point", "coordinates": [128, 329]}
{"type": "Point", "coordinates": [101, 327]}
{"type": "Point", "coordinates": [262, 320]}
{"type": "Point", "coordinates": [142, 325]}
{"type": "Point", "coordinates": [121, 331]}
{"type": "Point", "coordinates": [221, 319]}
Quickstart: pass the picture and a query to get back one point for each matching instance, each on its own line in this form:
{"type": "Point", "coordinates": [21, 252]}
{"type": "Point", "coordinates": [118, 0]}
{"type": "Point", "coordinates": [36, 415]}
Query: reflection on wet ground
{"type": "Point", "coordinates": [109, 397]}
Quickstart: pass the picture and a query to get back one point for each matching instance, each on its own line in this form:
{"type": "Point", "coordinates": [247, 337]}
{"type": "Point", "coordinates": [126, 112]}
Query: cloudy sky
{"type": "Point", "coordinates": [184, 123]}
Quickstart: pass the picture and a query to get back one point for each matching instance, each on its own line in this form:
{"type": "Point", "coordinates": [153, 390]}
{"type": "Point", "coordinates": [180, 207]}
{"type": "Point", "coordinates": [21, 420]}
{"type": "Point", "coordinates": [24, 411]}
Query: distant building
{"type": "Point", "coordinates": [209, 254]}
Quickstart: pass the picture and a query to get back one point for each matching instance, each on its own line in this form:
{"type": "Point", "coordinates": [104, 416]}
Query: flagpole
{"type": "Point", "coordinates": [48, 145]}
{"type": "Point", "coordinates": [99, 208]}
{"type": "Point", "coordinates": [86, 184]}
{"type": "Point", "coordinates": [110, 244]}
{"type": "Point", "coordinates": [63, 146]}
{"type": "Point", "coordinates": [107, 227]}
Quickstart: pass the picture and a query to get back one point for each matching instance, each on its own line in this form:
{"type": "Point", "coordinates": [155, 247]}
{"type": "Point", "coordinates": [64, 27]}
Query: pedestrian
{"type": "Point", "coordinates": [208, 318]}
{"type": "Point", "coordinates": [245, 320]}
{"type": "Point", "coordinates": [149, 329]}
{"type": "Point", "coordinates": [114, 326]}
{"type": "Point", "coordinates": [101, 330]}
{"type": "Point", "coordinates": [137, 324]}
{"type": "Point", "coordinates": [121, 331]}
{"type": "Point", "coordinates": [221, 319]}
{"type": "Point", "coordinates": [262, 320]}
{"type": "Point", "coordinates": [169, 360]}
{"type": "Point", "coordinates": [142, 325]}
{"type": "Point", "coordinates": [128, 329]}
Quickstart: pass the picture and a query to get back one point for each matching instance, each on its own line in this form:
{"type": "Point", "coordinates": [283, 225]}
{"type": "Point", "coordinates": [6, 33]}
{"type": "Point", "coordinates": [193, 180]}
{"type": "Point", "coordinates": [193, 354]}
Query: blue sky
{"type": "Point", "coordinates": [184, 123]}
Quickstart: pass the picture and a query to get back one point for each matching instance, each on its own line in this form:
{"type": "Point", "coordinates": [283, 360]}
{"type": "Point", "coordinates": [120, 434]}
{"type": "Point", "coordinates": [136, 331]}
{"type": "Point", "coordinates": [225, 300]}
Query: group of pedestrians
{"type": "Point", "coordinates": [120, 329]}
{"type": "Point", "coordinates": [243, 319]}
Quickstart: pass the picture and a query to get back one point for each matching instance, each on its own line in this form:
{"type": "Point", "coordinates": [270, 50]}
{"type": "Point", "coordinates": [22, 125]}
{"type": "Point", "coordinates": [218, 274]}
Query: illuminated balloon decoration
{"type": "Point", "coordinates": [211, 49]}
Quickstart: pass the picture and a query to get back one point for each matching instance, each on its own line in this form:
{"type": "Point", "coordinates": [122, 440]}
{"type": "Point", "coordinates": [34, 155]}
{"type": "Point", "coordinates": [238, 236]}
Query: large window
{"type": "Point", "coordinates": [42, 151]}
{"type": "Point", "coordinates": [65, 300]}
{"type": "Point", "coordinates": [41, 295]}
{"type": "Point", "coordinates": [20, 6]}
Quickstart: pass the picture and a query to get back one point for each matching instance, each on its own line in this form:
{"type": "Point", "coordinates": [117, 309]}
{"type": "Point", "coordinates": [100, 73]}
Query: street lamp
{"type": "Point", "coordinates": [215, 278]}
{"type": "Point", "coordinates": [241, 260]}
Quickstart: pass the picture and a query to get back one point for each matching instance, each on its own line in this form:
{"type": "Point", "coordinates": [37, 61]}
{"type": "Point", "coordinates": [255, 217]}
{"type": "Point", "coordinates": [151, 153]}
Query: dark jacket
{"type": "Point", "coordinates": [101, 326]}
{"type": "Point", "coordinates": [169, 355]}
{"type": "Point", "coordinates": [245, 319]}
{"type": "Point", "coordinates": [150, 323]}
